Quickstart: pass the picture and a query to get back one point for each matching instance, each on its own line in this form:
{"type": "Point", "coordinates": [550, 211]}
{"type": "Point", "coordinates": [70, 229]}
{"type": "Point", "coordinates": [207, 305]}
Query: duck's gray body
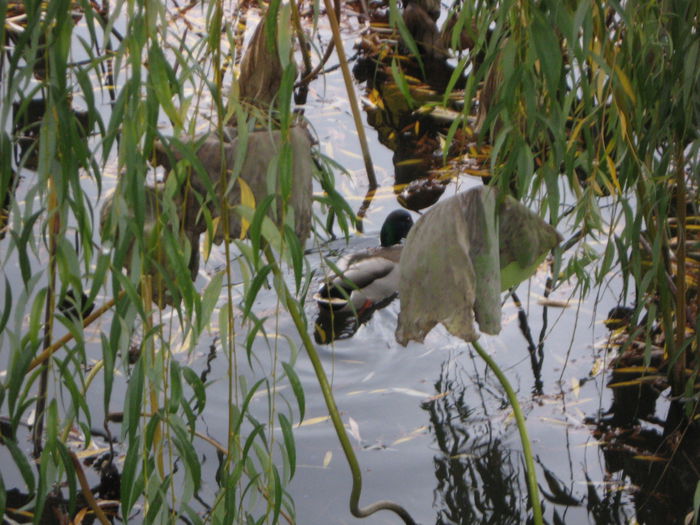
{"type": "Point", "coordinates": [371, 277]}
{"type": "Point", "coordinates": [367, 279]}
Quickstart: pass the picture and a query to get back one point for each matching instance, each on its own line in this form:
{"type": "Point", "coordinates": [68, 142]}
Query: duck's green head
{"type": "Point", "coordinates": [396, 226]}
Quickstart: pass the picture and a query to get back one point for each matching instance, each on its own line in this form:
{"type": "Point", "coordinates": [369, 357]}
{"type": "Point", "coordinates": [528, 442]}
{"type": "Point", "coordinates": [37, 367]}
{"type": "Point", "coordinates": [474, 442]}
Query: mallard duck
{"type": "Point", "coordinates": [368, 278]}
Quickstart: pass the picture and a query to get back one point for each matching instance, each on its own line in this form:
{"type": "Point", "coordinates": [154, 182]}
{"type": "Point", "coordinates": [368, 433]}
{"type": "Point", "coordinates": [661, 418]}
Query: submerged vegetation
{"type": "Point", "coordinates": [139, 139]}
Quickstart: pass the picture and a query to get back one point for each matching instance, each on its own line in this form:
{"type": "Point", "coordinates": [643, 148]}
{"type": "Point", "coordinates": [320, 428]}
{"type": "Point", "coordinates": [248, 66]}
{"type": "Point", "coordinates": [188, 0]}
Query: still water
{"type": "Point", "coordinates": [430, 424]}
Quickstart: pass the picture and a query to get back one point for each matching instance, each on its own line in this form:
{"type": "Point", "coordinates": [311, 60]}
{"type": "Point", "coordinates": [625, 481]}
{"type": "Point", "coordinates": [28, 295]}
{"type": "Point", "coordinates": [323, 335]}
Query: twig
{"type": "Point", "coordinates": [369, 167]}
{"type": "Point", "coordinates": [43, 356]}
{"type": "Point", "coordinates": [87, 492]}
{"type": "Point", "coordinates": [355, 509]}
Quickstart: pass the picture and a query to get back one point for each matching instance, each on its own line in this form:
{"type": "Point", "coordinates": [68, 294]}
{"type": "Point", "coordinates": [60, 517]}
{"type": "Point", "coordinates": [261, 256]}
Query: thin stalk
{"type": "Point", "coordinates": [355, 509]}
{"type": "Point", "coordinates": [678, 379]}
{"type": "Point", "coordinates": [86, 490]}
{"type": "Point", "coordinates": [335, 28]}
{"type": "Point", "coordinates": [302, 39]}
{"type": "Point", "coordinates": [43, 356]}
{"type": "Point", "coordinates": [54, 229]}
{"type": "Point", "coordinates": [531, 475]}
{"type": "Point", "coordinates": [306, 80]}
{"type": "Point", "coordinates": [146, 294]}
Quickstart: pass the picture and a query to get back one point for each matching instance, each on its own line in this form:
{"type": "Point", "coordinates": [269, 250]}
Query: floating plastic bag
{"type": "Point", "coordinates": [262, 147]}
{"type": "Point", "coordinates": [455, 258]}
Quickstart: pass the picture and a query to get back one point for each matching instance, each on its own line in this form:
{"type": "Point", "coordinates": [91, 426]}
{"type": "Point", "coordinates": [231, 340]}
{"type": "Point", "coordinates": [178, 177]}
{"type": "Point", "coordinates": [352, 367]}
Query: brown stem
{"type": "Point", "coordinates": [329, 51]}
{"type": "Point", "coordinates": [43, 356]}
{"type": "Point", "coordinates": [54, 230]}
{"type": "Point", "coordinates": [335, 27]}
{"type": "Point", "coordinates": [678, 379]}
{"type": "Point", "coordinates": [87, 492]}
{"type": "Point", "coordinates": [302, 39]}
{"type": "Point", "coordinates": [353, 463]}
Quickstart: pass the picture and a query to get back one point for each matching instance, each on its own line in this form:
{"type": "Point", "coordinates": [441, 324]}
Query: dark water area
{"type": "Point", "coordinates": [430, 423]}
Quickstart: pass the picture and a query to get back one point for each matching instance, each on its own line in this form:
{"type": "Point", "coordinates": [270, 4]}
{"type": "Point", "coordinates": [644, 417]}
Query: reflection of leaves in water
{"type": "Point", "coordinates": [478, 481]}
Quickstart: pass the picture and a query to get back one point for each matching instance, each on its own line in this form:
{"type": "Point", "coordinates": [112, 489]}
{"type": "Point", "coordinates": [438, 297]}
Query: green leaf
{"type": "Point", "coordinates": [3, 496]}
{"type": "Point", "coordinates": [175, 387]}
{"type": "Point", "coordinates": [131, 479]}
{"type": "Point", "coordinates": [7, 308]}
{"type": "Point", "coordinates": [548, 50]}
{"type": "Point", "coordinates": [277, 495]}
{"type": "Point", "coordinates": [246, 402]}
{"type": "Point", "coordinates": [134, 400]}
{"type": "Point", "coordinates": [296, 388]}
{"type": "Point", "coordinates": [259, 279]}
{"type": "Point", "coordinates": [289, 446]}
{"type": "Point", "coordinates": [296, 253]}
{"type": "Point", "coordinates": [401, 83]}
{"type": "Point", "coordinates": [22, 463]}
{"type": "Point", "coordinates": [159, 79]}
{"type": "Point", "coordinates": [396, 20]}
{"type": "Point", "coordinates": [197, 386]}
{"type": "Point", "coordinates": [210, 298]}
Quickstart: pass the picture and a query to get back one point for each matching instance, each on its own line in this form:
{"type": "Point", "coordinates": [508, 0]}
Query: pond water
{"type": "Point", "coordinates": [430, 423]}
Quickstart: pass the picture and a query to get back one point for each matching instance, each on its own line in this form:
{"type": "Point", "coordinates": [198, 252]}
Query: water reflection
{"type": "Point", "coordinates": [478, 476]}
{"type": "Point", "coordinates": [332, 325]}
{"type": "Point", "coordinates": [28, 116]}
{"type": "Point", "coordinates": [410, 114]}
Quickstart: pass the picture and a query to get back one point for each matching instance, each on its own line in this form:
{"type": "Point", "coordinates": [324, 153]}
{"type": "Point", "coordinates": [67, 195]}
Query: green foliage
{"type": "Point", "coordinates": [141, 81]}
{"type": "Point", "coordinates": [591, 114]}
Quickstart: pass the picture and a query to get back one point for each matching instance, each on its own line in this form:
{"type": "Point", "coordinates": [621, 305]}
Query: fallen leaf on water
{"type": "Point", "coordinates": [592, 444]}
{"type": "Point", "coordinates": [91, 452]}
{"type": "Point", "coordinates": [439, 396]}
{"type": "Point", "coordinates": [650, 458]}
{"type": "Point", "coordinates": [411, 435]}
{"type": "Point", "coordinates": [575, 386]}
{"type": "Point", "coordinates": [463, 456]}
{"type": "Point", "coordinates": [327, 457]}
{"type": "Point", "coordinates": [402, 440]}
{"type": "Point", "coordinates": [636, 369]}
{"type": "Point", "coordinates": [638, 381]}
{"type": "Point", "coordinates": [367, 377]}
{"type": "Point", "coordinates": [356, 392]}
{"type": "Point", "coordinates": [553, 303]}
{"type": "Point", "coordinates": [411, 392]}
{"type": "Point", "coordinates": [598, 365]}
{"type": "Point", "coordinates": [80, 516]}
{"type": "Point", "coordinates": [554, 421]}
{"type": "Point", "coordinates": [354, 429]}
{"type": "Point", "coordinates": [313, 421]}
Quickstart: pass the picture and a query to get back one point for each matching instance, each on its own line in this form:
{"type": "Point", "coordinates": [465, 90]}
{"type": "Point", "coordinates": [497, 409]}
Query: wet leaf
{"type": "Point", "coordinates": [248, 200]}
{"type": "Point", "coordinates": [638, 381]}
{"type": "Point", "coordinates": [313, 421]}
{"type": "Point", "coordinates": [653, 459]}
{"type": "Point", "coordinates": [575, 387]}
{"type": "Point", "coordinates": [354, 429]}
{"type": "Point", "coordinates": [327, 457]}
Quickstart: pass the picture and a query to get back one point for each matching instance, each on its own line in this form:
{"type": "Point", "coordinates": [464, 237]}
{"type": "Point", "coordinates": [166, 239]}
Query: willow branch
{"type": "Point", "coordinates": [355, 509]}
{"type": "Point", "coordinates": [87, 492]}
{"type": "Point", "coordinates": [43, 356]}
{"type": "Point", "coordinates": [349, 87]}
